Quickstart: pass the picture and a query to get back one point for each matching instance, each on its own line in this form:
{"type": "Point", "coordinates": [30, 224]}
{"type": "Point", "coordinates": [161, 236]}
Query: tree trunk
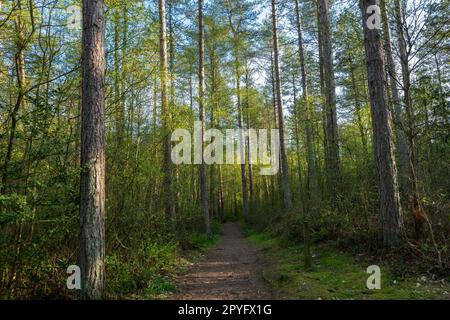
{"type": "Point", "coordinates": [402, 146]}
{"type": "Point", "coordinates": [221, 196]}
{"type": "Point", "coordinates": [165, 118]}
{"type": "Point", "coordinates": [275, 195]}
{"type": "Point", "coordinates": [123, 101]}
{"type": "Point", "coordinates": [242, 141]}
{"type": "Point", "coordinates": [171, 56]}
{"type": "Point", "coordinates": [239, 107]}
{"type": "Point", "coordinates": [331, 131]}
{"type": "Point", "coordinates": [390, 209]}
{"type": "Point", "coordinates": [117, 96]}
{"type": "Point", "coordinates": [155, 103]}
{"type": "Point", "coordinates": [201, 90]}
{"type": "Point", "coordinates": [247, 114]}
{"type": "Point", "coordinates": [212, 173]}
{"type": "Point", "coordinates": [214, 205]}
{"type": "Point", "coordinates": [311, 189]}
{"type": "Point", "coordinates": [415, 202]}
{"type": "Point", "coordinates": [296, 131]}
{"type": "Point", "coordinates": [92, 184]}
{"type": "Point", "coordinates": [287, 196]}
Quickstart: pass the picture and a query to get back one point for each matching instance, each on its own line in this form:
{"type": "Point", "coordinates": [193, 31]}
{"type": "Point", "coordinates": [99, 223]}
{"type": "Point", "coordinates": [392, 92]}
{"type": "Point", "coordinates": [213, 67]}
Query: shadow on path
{"type": "Point", "coordinates": [231, 270]}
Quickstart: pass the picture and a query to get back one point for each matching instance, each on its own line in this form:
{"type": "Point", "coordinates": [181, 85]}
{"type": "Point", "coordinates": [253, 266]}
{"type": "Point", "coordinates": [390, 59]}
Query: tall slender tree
{"type": "Point", "coordinates": [415, 201]}
{"type": "Point", "coordinates": [92, 185]}
{"type": "Point", "coordinates": [402, 145]}
{"type": "Point", "coordinates": [331, 128]}
{"type": "Point", "coordinates": [389, 198]}
{"type": "Point", "coordinates": [311, 189]}
{"type": "Point", "coordinates": [287, 196]}
{"type": "Point", "coordinates": [201, 103]}
{"type": "Point", "coordinates": [165, 116]}
{"type": "Point", "coordinates": [235, 31]}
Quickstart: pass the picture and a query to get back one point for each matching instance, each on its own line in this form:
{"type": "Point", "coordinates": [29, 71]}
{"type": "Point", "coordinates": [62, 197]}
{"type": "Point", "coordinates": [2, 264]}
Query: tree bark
{"type": "Point", "coordinates": [92, 186]}
{"type": "Point", "coordinates": [390, 209]}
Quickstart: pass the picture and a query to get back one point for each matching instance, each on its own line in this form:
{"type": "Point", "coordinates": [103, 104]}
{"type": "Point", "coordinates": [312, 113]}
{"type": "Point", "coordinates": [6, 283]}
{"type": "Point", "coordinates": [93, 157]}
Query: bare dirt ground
{"type": "Point", "coordinates": [231, 270]}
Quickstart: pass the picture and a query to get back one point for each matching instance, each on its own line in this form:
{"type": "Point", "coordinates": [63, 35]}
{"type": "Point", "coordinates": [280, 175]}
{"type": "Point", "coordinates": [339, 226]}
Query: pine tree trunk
{"type": "Point", "coordinates": [239, 107]}
{"type": "Point", "coordinates": [311, 184]}
{"type": "Point", "coordinates": [171, 56]}
{"type": "Point", "coordinates": [123, 100]}
{"type": "Point", "coordinates": [92, 185]}
{"type": "Point", "coordinates": [249, 155]}
{"type": "Point", "coordinates": [201, 90]}
{"type": "Point", "coordinates": [287, 196]}
{"type": "Point", "coordinates": [296, 131]}
{"type": "Point", "coordinates": [155, 103]}
{"type": "Point", "coordinates": [331, 128]}
{"type": "Point", "coordinates": [275, 195]}
{"type": "Point", "coordinates": [242, 143]}
{"type": "Point", "coordinates": [117, 96]}
{"type": "Point", "coordinates": [165, 118]}
{"type": "Point", "coordinates": [390, 209]}
{"type": "Point", "coordinates": [221, 196]}
{"type": "Point", "coordinates": [414, 198]}
{"type": "Point", "coordinates": [402, 145]}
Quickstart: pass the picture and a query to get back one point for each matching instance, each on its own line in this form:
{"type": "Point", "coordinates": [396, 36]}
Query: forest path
{"type": "Point", "coordinates": [230, 270]}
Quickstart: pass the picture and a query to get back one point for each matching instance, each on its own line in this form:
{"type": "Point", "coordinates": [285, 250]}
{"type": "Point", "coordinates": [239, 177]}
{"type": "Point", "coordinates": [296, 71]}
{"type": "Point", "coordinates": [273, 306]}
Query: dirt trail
{"type": "Point", "coordinates": [231, 270]}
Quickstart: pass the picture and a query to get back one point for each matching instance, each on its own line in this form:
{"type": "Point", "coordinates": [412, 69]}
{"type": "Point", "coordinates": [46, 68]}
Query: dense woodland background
{"type": "Point", "coordinates": [306, 74]}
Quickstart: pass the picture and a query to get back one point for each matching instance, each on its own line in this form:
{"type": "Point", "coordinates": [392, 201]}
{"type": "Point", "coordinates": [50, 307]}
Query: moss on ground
{"type": "Point", "coordinates": [335, 275]}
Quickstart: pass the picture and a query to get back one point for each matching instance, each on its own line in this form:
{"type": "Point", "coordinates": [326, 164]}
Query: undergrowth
{"type": "Point", "coordinates": [335, 274]}
{"type": "Point", "coordinates": [147, 272]}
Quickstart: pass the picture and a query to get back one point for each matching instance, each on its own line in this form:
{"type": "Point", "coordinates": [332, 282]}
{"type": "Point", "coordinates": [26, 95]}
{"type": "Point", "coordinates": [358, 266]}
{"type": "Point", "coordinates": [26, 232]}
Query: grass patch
{"type": "Point", "coordinates": [197, 245]}
{"type": "Point", "coordinates": [159, 286]}
{"type": "Point", "coordinates": [202, 242]}
{"type": "Point", "coordinates": [335, 275]}
{"type": "Point", "coordinates": [259, 238]}
{"type": "Point", "coordinates": [198, 240]}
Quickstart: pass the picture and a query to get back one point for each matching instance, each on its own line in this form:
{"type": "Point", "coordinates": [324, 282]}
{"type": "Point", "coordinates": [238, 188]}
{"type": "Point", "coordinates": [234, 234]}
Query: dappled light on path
{"type": "Point", "coordinates": [231, 270]}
